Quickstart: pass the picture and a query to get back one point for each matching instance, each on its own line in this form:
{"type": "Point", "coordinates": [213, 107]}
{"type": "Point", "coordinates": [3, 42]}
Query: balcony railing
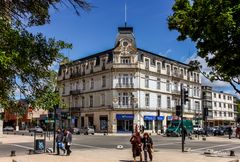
{"type": "Point", "coordinates": [176, 92]}
{"type": "Point", "coordinates": [177, 75]}
{"type": "Point", "coordinates": [121, 65]}
{"type": "Point", "coordinates": [75, 92]}
{"type": "Point", "coordinates": [125, 85]}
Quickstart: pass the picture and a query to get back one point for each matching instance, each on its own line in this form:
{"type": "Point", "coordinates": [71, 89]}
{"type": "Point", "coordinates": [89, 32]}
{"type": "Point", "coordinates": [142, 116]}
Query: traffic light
{"type": "Point", "coordinates": [178, 110]}
{"type": "Point", "coordinates": [185, 96]}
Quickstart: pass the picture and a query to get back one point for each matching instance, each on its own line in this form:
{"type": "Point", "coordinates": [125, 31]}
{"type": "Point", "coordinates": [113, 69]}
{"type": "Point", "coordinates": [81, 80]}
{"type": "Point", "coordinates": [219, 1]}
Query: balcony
{"type": "Point", "coordinates": [75, 92]}
{"type": "Point", "coordinates": [131, 66]}
{"type": "Point", "coordinates": [177, 75]}
{"type": "Point", "coordinates": [75, 109]}
{"type": "Point", "coordinates": [74, 75]}
{"type": "Point", "coordinates": [176, 92]}
{"type": "Point", "coordinates": [126, 85]}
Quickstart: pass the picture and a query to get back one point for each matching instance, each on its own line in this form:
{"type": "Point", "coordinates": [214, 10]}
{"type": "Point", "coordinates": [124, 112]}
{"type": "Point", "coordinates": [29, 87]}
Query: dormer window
{"type": "Point", "coordinates": [125, 60]}
{"type": "Point", "coordinates": [146, 63]}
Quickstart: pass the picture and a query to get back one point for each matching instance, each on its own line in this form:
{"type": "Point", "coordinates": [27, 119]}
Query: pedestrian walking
{"type": "Point", "coordinates": [136, 146]}
{"type": "Point", "coordinates": [59, 141]}
{"type": "Point", "coordinates": [68, 141]}
{"type": "Point", "coordinates": [147, 147]}
{"type": "Point", "coordinates": [229, 132]}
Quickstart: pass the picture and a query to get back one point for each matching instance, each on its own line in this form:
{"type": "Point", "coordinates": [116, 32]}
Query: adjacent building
{"type": "Point", "coordinates": [125, 86]}
{"type": "Point", "coordinates": [221, 107]}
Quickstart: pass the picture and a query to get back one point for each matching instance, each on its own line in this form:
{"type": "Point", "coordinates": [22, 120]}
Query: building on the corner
{"type": "Point", "coordinates": [221, 107]}
{"type": "Point", "coordinates": [125, 86]}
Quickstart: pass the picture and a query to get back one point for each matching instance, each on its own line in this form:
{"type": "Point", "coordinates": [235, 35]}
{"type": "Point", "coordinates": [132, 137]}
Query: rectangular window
{"type": "Point", "coordinates": [84, 84]}
{"type": "Point", "coordinates": [163, 65]}
{"type": "Point", "coordinates": [189, 104]}
{"type": "Point", "coordinates": [219, 96]}
{"type": "Point", "coordinates": [103, 81]}
{"type": "Point", "coordinates": [197, 106]}
{"type": "Point", "coordinates": [215, 104]}
{"type": "Point", "coordinates": [125, 99]}
{"type": "Point", "coordinates": [146, 81]}
{"type": "Point", "coordinates": [91, 101]}
{"type": "Point", "coordinates": [148, 124]}
{"type": "Point", "coordinates": [215, 113]}
{"type": "Point", "coordinates": [214, 95]}
{"type": "Point", "coordinates": [168, 86]}
{"type": "Point", "coordinates": [168, 102]}
{"type": "Point", "coordinates": [220, 104]}
{"type": "Point", "coordinates": [168, 70]}
{"type": "Point", "coordinates": [125, 80]}
{"type": "Point", "coordinates": [158, 83]}
{"type": "Point", "coordinates": [159, 67]}
{"type": "Point", "coordinates": [83, 102]}
{"type": "Point", "coordinates": [146, 63]}
{"type": "Point", "coordinates": [146, 99]}
{"type": "Point", "coordinates": [224, 105]}
{"type": "Point", "coordinates": [159, 101]}
{"type": "Point", "coordinates": [102, 99]}
{"type": "Point", "coordinates": [63, 89]}
{"type": "Point", "coordinates": [225, 114]}
{"type": "Point", "coordinates": [92, 83]}
{"type": "Point", "coordinates": [224, 97]}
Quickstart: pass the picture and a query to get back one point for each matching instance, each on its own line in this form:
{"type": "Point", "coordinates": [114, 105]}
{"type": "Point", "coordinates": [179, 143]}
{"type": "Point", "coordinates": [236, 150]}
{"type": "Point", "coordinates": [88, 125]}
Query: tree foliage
{"type": "Point", "coordinates": [214, 25]}
{"type": "Point", "coordinates": [26, 58]}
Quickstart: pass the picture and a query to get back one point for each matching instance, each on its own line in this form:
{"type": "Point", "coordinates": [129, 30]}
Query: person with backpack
{"type": "Point", "coordinates": [59, 141]}
{"type": "Point", "coordinates": [136, 146]}
{"type": "Point", "coordinates": [147, 146]}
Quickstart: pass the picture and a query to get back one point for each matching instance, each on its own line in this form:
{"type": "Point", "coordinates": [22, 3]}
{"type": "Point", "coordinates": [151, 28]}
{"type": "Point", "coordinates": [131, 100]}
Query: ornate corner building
{"type": "Point", "coordinates": [125, 86]}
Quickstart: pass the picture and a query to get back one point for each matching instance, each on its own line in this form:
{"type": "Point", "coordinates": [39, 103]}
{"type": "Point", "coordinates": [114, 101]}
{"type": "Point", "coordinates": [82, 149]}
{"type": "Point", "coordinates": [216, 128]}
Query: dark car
{"type": "Point", "coordinates": [218, 131]}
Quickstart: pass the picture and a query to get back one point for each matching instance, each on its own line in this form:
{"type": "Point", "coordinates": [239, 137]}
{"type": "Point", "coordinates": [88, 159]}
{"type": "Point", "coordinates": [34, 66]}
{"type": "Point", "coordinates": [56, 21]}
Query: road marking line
{"type": "Point", "coordinates": [198, 149]}
{"type": "Point", "coordinates": [163, 144]}
{"type": "Point", "coordinates": [21, 146]}
{"type": "Point", "coordinates": [89, 146]}
{"type": "Point", "coordinates": [232, 148]}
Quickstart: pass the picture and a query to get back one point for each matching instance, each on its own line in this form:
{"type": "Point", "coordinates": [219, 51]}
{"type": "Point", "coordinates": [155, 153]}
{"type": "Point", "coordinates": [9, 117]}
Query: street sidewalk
{"type": "Point", "coordinates": [114, 155]}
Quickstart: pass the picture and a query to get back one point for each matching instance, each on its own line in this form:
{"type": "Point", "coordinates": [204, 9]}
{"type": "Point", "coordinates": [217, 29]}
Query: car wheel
{"type": "Point", "coordinates": [92, 133]}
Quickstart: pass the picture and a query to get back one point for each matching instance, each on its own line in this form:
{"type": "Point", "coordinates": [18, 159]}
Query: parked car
{"type": "Point", "coordinates": [87, 130]}
{"type": "Point", "coordinates": [36, 129]}
{"type": "Point", "coordinates": [76, 130]}
{"type": "Point", "coordinates": [218, 131]}
{"type": "Point", "coordinates": [197, 129]}
{"type": "Point", "coordinates": [8, 128]}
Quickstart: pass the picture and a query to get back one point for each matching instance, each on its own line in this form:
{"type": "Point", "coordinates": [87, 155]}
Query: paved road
{"type": "Point", "coordinates": [110, 142]}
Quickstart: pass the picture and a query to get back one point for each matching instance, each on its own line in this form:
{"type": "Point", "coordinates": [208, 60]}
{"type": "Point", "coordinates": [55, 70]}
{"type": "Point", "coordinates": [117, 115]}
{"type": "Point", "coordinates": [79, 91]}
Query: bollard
{"type": "Point", "coordinates": [13, 153]}
{"type": "Point", "coordinates": [30, 151]}
{"type": "Point", "coordinates": [232, 153]}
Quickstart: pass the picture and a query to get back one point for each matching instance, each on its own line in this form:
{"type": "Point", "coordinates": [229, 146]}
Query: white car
{"type": "Point", "coordinates": [87, 130]}
{"type": "Point", "coordinates": [197, 128]}
{"type": "Point", "coordinates": [36, 129]}
{"type": "Point", "coordinates": [8, 128]}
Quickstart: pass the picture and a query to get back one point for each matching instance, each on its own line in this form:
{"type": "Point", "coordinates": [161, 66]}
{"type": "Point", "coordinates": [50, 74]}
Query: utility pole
{"type": "Point", "coordinates": [54, 126]}
{"type": "Point", "coordinates": [182, 98]}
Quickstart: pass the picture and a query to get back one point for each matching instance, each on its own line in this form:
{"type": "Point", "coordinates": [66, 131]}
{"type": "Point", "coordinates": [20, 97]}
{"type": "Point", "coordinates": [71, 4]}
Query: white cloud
{"type": "Point", "coordinates": [217, 85]}
{"type": "Point", "coordinates": [166, 52]}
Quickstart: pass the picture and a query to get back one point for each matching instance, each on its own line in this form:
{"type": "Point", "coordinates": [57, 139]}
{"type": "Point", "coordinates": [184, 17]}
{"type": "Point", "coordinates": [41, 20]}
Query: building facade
{"type": "Point", "coordinates": [125, 86]}
{"type": "Point", "coordinates": [221, 107]}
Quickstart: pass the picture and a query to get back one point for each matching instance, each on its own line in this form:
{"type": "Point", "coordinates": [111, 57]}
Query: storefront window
{"type": "Point", "coordinates": [148, 124]}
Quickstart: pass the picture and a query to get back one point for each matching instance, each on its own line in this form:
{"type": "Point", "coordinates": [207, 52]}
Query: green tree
{"type": "Point", "coordinates": [214, 25]}
{"type": "Point", "coordinates": [25, 58]}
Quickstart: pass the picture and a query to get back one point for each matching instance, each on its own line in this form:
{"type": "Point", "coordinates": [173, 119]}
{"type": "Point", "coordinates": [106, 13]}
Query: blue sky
{"type": "Point", "coordinates": [96, 30]}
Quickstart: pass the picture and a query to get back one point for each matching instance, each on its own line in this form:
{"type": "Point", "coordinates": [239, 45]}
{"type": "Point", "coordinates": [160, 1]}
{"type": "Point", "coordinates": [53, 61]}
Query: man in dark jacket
{"type": "Point", "coordinates": [230, 132]}
{"type": "Point", "coordinates": [68, 141]}
{"type": "Point", "coordinates": [59, 141]}
{"type": "Point", "coordinates": [147, 146]}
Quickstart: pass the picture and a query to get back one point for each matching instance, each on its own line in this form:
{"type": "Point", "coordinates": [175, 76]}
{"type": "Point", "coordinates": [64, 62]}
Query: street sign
{"type": "Point", "coordinates": [49, 121]}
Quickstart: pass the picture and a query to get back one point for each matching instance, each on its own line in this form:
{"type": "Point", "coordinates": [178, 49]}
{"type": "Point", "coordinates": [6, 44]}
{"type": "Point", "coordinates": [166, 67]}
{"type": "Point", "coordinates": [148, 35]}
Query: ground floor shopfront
{"type": "Point", "coordinates": [126, 121]}
{"type": "Point", "coordinates": [213, 123]}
